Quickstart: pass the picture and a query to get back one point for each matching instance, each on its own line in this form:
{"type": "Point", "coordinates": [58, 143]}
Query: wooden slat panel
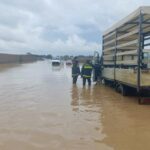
{"type": "Point", "coordinates": [110, 42]}
{"type": "Point", "coordinates": [107, 56]}
{"type": "Point", "coordinates": [126, 75]}
{"type": "Point", "coordinates": [129, 27]}
{"type": "Point", "coordinates": [127, 48]}
{"type": "Point", "coordinates": [127, 44]}
{"type": "Point", "coordinates": [108, 73]}
{"type": "Point", "coordinates": [127, 62]}
{"type": "Point", "coordinates": [109, 35]}
{"type": "Point", "coordinates": [133, 52]}
{"type": "Point", "coordinates": [108, 62]}
{"type": "Point", "coordinates": [107, 53]}
{"type": "Point", "coordinates": [109, 49]}
{"type": "Point", "coordinates": [129, 76]}
{"type": "Point", "coordinates": [146, 30]}
{"type": "Point", "coordinates": [108, 59]}
{"type": "Point", "coordinates": [145, 78]}
{"type": "Point", "coordinates": [128, 34]}
{"type": "Point", "coordinates": [146, 17]}
{"type": "Point", "coordinates": [128, 39]}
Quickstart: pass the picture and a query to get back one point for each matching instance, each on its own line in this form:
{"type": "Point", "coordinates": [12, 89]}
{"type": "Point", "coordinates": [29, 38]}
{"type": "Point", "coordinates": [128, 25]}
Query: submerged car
{"type": "Point", "coordinates": [56, 63]}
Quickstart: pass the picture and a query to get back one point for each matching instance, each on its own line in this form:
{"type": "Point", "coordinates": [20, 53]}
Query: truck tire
{"type": "Point", "coordinates": [122, 89]}
{"type": "Point", "coordinates": [140, 101]}
{"type": "Point", "coordinates": [104, 82]}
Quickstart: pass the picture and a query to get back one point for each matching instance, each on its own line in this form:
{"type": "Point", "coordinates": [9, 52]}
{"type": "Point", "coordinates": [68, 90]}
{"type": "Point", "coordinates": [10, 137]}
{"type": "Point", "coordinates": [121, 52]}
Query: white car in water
{"type": "Point", "coordinates": [56, 62]}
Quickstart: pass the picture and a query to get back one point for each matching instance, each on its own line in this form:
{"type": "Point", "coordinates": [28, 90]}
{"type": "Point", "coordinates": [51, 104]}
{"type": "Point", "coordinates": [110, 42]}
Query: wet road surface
{"type": "Point", "coordinates": [40, 109]}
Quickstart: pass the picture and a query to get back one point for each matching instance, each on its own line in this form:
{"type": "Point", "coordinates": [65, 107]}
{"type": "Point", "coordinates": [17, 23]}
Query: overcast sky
{"type": "Point", "coordinates": [59, 27]}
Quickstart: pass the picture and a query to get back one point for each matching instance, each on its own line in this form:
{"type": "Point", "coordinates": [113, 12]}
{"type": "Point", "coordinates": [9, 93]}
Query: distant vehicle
{"type": "Point", "coordinates": [69, 62]}
{"type": "Point", "coordinates": [56, 62]}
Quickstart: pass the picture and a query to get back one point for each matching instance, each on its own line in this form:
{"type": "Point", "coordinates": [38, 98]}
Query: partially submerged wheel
{"type": "Point", "coordinates": [140, 100]}
{"type": "Point", "coordinates": [122, 89]}
{"type": "Point", "coordinates": [104, 82]}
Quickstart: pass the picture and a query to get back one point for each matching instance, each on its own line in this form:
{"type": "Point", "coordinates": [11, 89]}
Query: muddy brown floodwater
{"type": "Point", "coordinates": [40, 109]}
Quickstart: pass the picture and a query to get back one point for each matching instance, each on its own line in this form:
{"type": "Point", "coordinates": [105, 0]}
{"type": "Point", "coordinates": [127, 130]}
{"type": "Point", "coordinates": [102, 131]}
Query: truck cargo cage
{"type": "Point", "coordinates": [126, 51]}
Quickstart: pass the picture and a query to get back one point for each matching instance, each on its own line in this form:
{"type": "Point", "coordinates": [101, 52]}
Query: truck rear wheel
{"type": "Point", "coordinates": [105, 82]}
{"type": "Point", "coordinates": [122, 89]}
{"type": "Point", "coordinates": [140, 100]}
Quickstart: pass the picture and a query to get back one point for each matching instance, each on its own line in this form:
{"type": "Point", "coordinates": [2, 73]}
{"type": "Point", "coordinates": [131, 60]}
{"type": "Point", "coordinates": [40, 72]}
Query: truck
{"type": "Point", "coordinates": [126, 54]}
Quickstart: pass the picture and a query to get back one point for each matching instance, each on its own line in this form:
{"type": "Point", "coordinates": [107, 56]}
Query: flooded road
{"type": "Point", "coordinates": [40, 109]}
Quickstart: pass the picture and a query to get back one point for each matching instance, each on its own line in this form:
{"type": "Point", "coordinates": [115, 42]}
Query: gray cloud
{"type": "Point", "coordinates": [59, 26]}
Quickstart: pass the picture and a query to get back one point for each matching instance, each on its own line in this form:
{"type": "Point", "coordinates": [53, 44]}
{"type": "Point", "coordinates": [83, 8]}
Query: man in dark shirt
{"type": "Point", "coordinates": [97, 72]}
{"type": "Point", "coordinates": [75, 71]}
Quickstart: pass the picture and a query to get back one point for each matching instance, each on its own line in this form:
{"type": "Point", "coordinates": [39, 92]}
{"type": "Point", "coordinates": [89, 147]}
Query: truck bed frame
{"type": "Point", "coordinates": [126, 52]}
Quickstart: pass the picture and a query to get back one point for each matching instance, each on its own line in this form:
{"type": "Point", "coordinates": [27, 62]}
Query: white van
{"type": "Point", "coordinates": [56, 63]}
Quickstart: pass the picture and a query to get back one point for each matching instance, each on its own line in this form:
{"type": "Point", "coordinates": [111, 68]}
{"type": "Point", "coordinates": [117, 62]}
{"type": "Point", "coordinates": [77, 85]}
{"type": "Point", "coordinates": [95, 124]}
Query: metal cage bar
{"type": "Point", "coordinates": [140, 43]}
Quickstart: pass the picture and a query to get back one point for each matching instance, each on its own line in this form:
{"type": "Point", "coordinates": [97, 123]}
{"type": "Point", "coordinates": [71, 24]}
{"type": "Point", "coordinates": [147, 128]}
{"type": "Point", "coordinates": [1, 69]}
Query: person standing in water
{"type": "Point", "coordinates": [97, 72]}
{"type": "Point", "coordinates": [86, 72]}
{"type": "Point", "coordinates": [75, 71]}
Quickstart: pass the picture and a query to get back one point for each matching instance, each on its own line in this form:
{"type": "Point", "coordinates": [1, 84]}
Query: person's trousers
{"type": "Point", "coordinates": [75, 79]}
{"type": "Point", "coordinates": [84, 81]}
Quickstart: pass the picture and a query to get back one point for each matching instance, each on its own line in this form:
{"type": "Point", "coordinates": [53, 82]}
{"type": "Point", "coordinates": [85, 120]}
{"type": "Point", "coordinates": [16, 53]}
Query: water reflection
{"type": "Point", "coordinates": [56, 68]}
{"type": "Point", "coordinates": [85, 95]}
{"type": "Point", "coordinates": [75, 96]}
{"type": "Point", "coordinates": [81, 96]}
